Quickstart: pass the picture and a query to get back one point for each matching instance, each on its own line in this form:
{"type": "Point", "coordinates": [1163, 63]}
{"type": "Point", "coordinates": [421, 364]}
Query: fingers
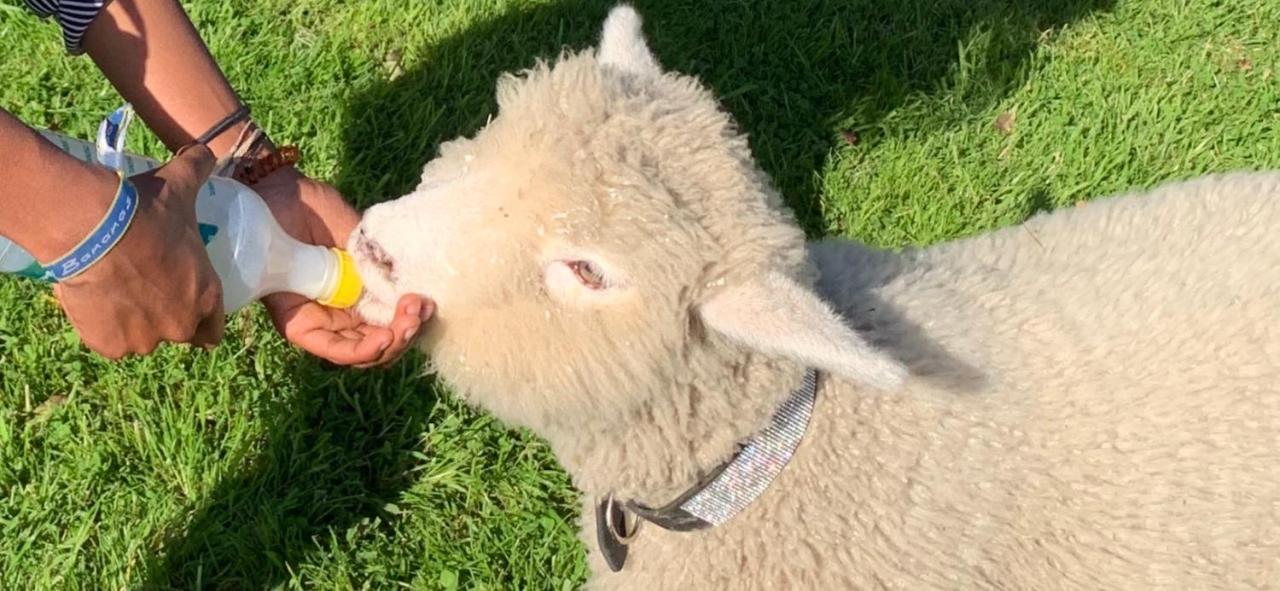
{"type": "Point", "coordinates": [345, 350]}
{"type": "Point", "coordinates": [323, 332]}
{"type": "Point", "coordinates": [351, 343]}
{"type": "Point", "coordinates": [113, 349]}
{"type": "Point", "coordinates": [203, 328]}
{"type": "Point", "coordinates": [214, 319]}
{"type": "Point", "coordinates": [411, 313]}
{"type": "Point", "coordinates": [106, 342]}
{"type": "Point", "coordinates": [209, 332]}
{"type": "Point", "coordinates": [118, 332]}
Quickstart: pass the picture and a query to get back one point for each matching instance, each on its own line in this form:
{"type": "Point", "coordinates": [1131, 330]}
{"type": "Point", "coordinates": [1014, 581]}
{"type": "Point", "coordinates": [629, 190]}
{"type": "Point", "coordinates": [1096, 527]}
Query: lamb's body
{"type": "Point", "coordinates": [1095, 404]}
{"type": "Point", "coordinates": [1093, 399]}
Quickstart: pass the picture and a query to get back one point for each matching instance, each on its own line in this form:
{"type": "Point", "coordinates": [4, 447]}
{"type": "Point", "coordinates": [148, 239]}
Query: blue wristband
{"type": "Point", "coordinates": [101, 240]}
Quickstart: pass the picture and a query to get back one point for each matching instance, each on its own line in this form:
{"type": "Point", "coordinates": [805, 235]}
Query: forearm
{"type": "Point", "coordinates": [49, 201]}
{"type": "Point", "coordinates": [152, 54]}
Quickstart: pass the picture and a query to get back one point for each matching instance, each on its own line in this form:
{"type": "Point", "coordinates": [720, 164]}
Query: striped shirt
{"type": "Point", "coordinates": [73, 16]}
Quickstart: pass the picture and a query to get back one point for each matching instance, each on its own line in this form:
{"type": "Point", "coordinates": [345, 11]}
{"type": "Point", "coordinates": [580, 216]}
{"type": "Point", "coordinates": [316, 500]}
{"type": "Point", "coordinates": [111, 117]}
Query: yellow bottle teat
{"type": "Point", "coordinates": [347, 289]}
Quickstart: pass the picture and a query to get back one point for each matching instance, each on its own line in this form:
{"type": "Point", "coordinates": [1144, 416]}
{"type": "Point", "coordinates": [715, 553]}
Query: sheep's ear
{"type": "Point", "coordinates": [775, 315]}
{"type": "Point", "coordinates": [622, 44]}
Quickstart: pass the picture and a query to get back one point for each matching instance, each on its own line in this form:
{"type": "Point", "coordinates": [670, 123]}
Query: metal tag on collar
{"type": "Point", "coordinates": [611, 532]}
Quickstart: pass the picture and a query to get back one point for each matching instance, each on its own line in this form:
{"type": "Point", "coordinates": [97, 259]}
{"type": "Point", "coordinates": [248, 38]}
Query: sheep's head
{"type": "Point", "coordinates": [607, 224]}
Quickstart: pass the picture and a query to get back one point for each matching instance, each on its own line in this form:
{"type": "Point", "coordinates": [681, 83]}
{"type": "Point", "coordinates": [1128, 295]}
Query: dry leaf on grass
{"type": "Point", "coordinates": [44, 409]}
{"type": "Point", "coordinates": [1004, 123]}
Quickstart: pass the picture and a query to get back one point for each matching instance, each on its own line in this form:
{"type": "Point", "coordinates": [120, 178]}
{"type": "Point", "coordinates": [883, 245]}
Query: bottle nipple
{"type": "Point", "coordinates": [348, 286]}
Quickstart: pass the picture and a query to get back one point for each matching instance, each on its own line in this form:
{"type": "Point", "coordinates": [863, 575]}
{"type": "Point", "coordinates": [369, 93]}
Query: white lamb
{"type": "Point", "coordinates": [1090, 400]}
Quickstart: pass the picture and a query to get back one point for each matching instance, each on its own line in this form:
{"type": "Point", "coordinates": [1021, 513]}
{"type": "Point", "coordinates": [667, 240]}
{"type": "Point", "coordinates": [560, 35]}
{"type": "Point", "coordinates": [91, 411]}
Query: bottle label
{"type": "Point", "coordinates": [207, 232]}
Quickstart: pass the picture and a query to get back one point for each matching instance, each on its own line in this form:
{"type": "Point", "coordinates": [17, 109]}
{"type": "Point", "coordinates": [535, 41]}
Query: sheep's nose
{"type": "Point", "coordinates": [371, 251]}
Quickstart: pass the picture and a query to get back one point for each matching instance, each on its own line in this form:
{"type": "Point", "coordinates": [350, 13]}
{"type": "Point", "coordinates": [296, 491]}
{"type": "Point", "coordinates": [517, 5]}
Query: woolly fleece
{"type": "Point", "coordinates": [1090, 400]}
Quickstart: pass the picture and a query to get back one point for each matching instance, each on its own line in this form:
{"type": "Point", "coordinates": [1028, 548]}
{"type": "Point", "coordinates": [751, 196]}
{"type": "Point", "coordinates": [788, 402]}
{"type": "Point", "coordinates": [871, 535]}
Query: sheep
{"type": "Point", "coordinates": [1090, 400]}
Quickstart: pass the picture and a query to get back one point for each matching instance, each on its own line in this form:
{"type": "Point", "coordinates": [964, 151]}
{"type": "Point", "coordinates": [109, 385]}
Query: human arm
{"type": "Point", "coordinates": [50, 202]}
{"type": "Point", "coordinates": [151, 52]}
{"type": "Point", "coordinates": [34, 176]}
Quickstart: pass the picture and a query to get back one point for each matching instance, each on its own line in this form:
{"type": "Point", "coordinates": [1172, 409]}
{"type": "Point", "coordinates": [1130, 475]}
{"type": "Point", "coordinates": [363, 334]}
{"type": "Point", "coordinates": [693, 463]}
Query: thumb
{"type": "Point", "coordinates": [187, 171]}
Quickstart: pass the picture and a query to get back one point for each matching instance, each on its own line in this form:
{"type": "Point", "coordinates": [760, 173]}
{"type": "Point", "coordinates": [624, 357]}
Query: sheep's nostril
{"type": "Point", "coordinates": [371, 251]}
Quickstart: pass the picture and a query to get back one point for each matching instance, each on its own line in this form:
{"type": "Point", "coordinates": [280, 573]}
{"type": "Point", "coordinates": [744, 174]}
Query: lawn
{"type": "Point", "coordinates": [253, 466]}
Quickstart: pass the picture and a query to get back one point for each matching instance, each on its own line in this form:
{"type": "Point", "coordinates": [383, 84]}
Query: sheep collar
{"type": "Point", "coordinates": [722, 493]}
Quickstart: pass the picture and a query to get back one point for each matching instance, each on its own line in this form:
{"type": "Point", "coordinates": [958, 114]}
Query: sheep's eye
{"type": "Point", "coordinates": [588, 274]}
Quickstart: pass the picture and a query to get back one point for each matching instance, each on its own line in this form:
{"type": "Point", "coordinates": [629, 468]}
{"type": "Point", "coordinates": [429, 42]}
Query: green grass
{"type": "Point", "coordinates": [252, 466]}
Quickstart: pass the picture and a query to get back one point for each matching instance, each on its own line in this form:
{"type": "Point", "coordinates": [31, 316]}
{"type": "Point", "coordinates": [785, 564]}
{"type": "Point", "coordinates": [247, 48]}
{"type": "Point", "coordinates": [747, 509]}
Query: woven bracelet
{"type": "Point", "coordinates": [103, 238]}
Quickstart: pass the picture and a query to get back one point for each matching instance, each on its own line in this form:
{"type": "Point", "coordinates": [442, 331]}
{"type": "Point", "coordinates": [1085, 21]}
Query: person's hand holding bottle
{"type": "Point", "coordinates": [156, 284]}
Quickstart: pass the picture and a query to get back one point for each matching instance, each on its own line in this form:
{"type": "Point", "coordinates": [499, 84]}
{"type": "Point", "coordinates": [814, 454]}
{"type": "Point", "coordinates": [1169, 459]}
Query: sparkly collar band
{"type": "Point", "coordinates": [725, 491]}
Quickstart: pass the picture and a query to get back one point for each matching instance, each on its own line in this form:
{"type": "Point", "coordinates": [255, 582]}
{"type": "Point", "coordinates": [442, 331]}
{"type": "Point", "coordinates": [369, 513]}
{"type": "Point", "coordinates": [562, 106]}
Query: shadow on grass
{"type": "Point", "coordinates": [337, 452]}
{"type": "Point", "coordinates": [793, 73]}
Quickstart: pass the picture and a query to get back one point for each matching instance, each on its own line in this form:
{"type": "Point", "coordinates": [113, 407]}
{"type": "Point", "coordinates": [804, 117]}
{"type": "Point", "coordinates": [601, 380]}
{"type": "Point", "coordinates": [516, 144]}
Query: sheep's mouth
{"type": "Point", "coordinates": [378, 269]}
{"type": "Point", "coordinates": [375, 306]}
{"type": "Point", "coordinates": [375, 258]}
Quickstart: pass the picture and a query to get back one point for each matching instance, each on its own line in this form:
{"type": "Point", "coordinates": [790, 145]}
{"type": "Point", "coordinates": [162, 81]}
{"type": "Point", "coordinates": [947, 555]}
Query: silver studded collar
{"type": "Point", "coordinates": [723, 492]}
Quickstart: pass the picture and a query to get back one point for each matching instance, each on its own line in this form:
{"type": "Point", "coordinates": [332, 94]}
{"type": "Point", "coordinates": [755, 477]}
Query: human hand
{"type": "Point", "coordinates": [157, 283]}
{"type": "Point", "coordinates": [316, 213]}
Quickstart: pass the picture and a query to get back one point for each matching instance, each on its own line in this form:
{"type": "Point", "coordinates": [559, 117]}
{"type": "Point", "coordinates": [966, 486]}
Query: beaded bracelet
{"type": "Point", "coordinates": [102, 239]}
{"type": "Point", "coordinates": [262, 166]}
{"type": "Point", "coordinates": [250, 160]}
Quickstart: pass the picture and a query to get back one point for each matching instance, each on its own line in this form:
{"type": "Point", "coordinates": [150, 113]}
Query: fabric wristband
{"type": "Point", "coordinates": [101, 240]}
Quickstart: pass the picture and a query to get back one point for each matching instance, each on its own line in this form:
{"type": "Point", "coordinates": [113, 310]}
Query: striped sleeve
{"type": "Point", "coordinates": [73, 16]}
